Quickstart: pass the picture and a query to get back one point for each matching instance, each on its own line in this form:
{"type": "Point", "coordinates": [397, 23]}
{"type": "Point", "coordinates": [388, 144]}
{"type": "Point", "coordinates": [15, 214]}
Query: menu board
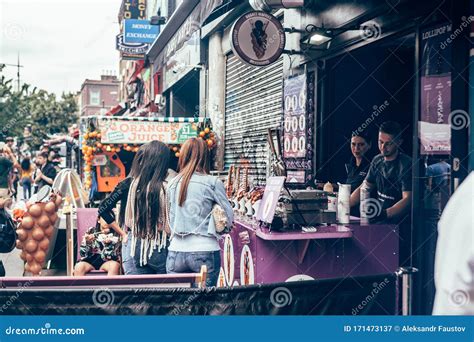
{"type": "Point", "coordinates": [297, 135]}
{"type": "Point", "coordinates": [294, 130]}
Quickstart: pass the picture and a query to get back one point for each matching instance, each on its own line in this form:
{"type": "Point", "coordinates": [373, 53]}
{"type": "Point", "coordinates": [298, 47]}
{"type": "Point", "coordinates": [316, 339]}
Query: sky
{"type": "Point", "coordinates": [60, 42]}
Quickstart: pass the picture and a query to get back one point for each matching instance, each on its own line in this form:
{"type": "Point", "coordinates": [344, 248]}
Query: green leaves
{"type": "Point", "coordinates": [42, 110]}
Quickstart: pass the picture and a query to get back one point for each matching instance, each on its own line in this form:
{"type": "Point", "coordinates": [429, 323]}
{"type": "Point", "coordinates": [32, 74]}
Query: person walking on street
{"type": "Point", "coordinates": [27, 169]}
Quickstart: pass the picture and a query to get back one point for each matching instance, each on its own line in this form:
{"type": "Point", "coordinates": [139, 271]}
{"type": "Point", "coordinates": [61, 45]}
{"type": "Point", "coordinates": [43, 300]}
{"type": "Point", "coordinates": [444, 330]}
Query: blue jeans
{"type": "Point", "coordinates": [191, 262]}
{"type": "Point", "coordinates": [26, 184]}
{"type": "Point", "coordinates": [156, 264]}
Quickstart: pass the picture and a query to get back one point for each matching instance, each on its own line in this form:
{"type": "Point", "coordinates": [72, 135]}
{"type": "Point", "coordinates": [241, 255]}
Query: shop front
{"type": "Point", "coordinates": [177, 68]}
{"type": "Point", "coordinates": [286, 91]}
{"type": "Point", "coordinates": [353, 66]}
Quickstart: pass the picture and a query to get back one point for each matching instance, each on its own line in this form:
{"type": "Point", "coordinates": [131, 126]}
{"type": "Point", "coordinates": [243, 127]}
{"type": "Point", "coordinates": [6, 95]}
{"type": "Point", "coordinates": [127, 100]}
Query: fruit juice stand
{"type": "Point", "coordinates": [109, 144]}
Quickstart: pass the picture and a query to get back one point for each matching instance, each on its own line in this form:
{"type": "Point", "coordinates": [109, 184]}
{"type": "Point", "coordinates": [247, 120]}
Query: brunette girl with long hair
{"type": "Point", "coordinates": [191, 196]}
{"type": "Point", "coordinates": [143, 210]}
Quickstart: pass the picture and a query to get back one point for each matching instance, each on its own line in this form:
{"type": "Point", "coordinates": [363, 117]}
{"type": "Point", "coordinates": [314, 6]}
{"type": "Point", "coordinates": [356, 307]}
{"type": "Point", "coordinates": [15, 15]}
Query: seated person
{"type": "Point", "coordinates": [100, 250]}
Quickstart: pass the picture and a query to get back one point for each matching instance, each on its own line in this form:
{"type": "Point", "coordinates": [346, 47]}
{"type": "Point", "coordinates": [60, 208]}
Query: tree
{"type": "Point", "coordinates": [49, 116]}
{"type": "Point", "coordinates": [38, 108]}
{"type": "Point", "coordinates": [13, 114]}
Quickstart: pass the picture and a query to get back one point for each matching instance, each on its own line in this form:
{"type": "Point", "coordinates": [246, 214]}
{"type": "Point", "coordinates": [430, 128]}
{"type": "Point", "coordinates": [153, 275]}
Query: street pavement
{"type": "Point", "coordinates": [12, 261]}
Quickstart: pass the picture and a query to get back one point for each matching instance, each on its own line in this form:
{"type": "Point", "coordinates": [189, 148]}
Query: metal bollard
{"type": "Point", "coordinates": [406, 273]}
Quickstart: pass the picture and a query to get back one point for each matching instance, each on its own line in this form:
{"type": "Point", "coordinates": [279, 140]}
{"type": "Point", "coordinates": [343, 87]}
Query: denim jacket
{"type": "Point", "coordinates": [195, 217]}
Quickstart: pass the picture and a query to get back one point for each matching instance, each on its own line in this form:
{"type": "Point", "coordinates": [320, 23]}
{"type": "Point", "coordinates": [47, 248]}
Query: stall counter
{"type": "Point", "coordinates": [256, 255]}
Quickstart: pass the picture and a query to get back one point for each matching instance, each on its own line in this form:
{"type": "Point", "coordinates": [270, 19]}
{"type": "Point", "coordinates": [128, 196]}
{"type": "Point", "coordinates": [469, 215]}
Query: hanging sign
{"type": "Point", "coordinates": [141, 132]}
{"type": "Point", "coordinates": [134, 9]}
{"type": "Point", "coordinates": [130, 50]}
{"type": "Point", "coordinates": [434, 127]}
{"type": "Point", "coordinates": [140, 31]}
{"type": "Point", "coordinates": [258, 38]}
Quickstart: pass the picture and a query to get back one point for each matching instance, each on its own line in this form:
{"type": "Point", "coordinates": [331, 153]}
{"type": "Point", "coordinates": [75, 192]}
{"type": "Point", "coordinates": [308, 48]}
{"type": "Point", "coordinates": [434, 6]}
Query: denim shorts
{"type": "Point", "coordinates": [156, 264]}
{"type": "Point", "coordinates": [191, 262]}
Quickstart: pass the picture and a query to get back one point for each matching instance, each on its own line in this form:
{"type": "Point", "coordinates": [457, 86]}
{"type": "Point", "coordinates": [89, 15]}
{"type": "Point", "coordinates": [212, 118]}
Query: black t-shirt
{"type": "Point", "coordinates": [120, 193]}
{"type": "Point", "coordinates": [49, 171]}
{"type": "Point", "coordinates": [356, 174]}
{"type": "Point", "coordinates": [391, 178]}
{"type": "Point", "coordinates": [5, 168]}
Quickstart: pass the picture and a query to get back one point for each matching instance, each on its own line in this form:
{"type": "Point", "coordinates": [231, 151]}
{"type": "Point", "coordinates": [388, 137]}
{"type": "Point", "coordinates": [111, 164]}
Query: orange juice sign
{"type": "Point", "coordinates": [142, 132]}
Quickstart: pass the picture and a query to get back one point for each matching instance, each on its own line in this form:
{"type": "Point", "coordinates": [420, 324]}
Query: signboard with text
{"type": "Point", "coordinates": [141, 132]}
{"type": "Point", "coordinates": [130, 50]}
{"type": "Point", "coordinates": [182, 61]}
{"type": "Point", "coordinates": [258, 38]}
{"type": "Point", "coordinates": [134, 9]}
{"type": "Point", "coordinates": [297, 132]}
{"type": "Point", "coordinates": [434, 128]}
{"type": "Point", "coordinates": [140, 31]}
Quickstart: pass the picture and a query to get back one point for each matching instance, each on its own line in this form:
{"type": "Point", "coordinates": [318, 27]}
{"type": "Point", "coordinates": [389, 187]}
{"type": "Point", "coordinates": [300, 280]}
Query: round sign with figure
{"type": "Point", "coordinates": [258, 38]}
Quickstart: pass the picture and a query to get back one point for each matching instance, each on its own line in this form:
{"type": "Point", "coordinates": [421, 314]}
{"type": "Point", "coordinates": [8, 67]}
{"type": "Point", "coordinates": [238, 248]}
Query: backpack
{"type": "Point", "coordinates": [7, 232]}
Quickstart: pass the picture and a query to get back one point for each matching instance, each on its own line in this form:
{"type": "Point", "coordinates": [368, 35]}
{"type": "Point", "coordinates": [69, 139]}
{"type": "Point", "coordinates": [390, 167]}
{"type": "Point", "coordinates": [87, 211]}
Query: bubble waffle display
{"type": "Point", "coordinates": [35, 231]}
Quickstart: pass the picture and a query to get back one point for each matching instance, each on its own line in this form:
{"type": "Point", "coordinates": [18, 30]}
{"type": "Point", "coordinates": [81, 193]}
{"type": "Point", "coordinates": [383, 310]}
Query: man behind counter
{"type": "Point", "coordinates": [390, 174]}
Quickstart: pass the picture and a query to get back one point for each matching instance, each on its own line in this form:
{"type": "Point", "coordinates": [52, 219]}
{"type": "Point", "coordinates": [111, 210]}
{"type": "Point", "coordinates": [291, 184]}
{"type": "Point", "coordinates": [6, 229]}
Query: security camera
{"type": "Point", "coordinates": [157, 20]}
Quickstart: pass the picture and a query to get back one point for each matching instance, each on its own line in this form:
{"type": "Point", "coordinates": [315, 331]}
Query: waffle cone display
{"type": "Point", "coordinates": [34, 233]}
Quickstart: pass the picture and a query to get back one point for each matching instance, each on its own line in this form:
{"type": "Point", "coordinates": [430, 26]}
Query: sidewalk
{"type": "Point", "coordinates": [12, 261]}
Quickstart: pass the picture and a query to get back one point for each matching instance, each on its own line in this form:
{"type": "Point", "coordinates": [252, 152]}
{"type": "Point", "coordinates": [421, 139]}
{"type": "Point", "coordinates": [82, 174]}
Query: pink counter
{"type": "Point", "coordinates": [251, 254]}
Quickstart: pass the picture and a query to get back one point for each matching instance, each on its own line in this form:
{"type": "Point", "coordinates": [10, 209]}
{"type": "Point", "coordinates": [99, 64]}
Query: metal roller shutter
{"type": "Point", "coordinates": [253, 104]}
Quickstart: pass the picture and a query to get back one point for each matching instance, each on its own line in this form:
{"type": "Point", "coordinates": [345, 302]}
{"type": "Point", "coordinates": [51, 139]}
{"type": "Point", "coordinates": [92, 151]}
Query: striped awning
{"type": "Point", "coordinates": [153, 119]}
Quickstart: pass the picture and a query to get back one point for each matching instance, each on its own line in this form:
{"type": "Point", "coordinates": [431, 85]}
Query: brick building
{"type": "Point", "coordinates": [98, 96]}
